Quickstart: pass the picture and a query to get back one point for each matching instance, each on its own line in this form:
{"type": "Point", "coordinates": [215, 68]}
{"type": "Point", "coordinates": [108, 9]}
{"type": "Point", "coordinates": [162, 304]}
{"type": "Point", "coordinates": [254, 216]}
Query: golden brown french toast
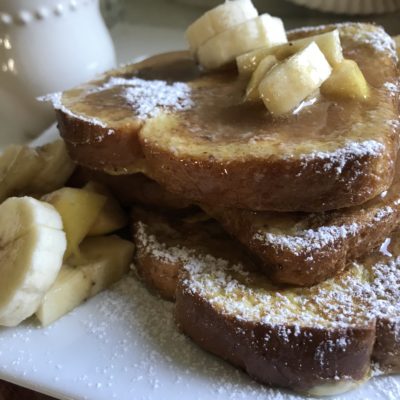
{"type": "Point", "coordinates": [320, 340]}
{"type": "Point", "coordinates": [191, 131]}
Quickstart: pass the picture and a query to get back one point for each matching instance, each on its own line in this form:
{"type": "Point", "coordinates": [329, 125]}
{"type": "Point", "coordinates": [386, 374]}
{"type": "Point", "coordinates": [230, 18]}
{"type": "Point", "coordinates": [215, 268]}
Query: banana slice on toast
{"type": "Point", "coordinates": [223, 48]}
{"type": "Point", "coordinates": [219, 19]}
{"type": "Point", "coordinates": [328, 43]}
{"type": "Point", "coordinates": [289, 83]}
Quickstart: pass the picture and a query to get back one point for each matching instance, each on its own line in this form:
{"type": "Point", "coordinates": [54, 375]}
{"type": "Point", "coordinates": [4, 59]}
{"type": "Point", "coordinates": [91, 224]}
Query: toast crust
{"type": "Point", "coordinates": [288, 358]}
{"type": "Point", "coordinates": [220, 150]}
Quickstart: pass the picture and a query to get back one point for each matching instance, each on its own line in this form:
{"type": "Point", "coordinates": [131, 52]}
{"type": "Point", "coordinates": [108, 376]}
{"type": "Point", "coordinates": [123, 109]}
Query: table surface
{"type": "Point", "coordinates": [8, 391]}
{"type": "Point", "coordinates": [180, 15]}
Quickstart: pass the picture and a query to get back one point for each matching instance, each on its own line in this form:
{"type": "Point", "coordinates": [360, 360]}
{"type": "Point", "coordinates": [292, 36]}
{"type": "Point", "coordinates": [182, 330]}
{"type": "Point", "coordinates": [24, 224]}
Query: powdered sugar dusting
{"type": "Point", "coordinates": [56, 100]}
{"type": "Point", "coordinates": [337, 160]}
{"type": "Point", "coordinates": [150, 97]}
{"type": "Point", "coordinates": [392, 87]}
{"type": "Point", "coordinates": [157, 355]}
{"type": "Point", "coordinates": [251, 297]}
{"type": "Point", "coordinates": [368, 291]}
{"type": "Point", "coordinates": [385, 287]}
{"type": "Point", "coordinates": [377, 38]}
{"type": "Point", "coordinates": [151, 245]}
{"type": "Point", "coordinates": [307, 240]}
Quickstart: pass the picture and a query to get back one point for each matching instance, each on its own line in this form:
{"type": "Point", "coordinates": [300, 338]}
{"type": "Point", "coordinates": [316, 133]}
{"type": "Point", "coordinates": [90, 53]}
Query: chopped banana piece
{"type": "Point", "coordinates": [347, 80]}
{"type": "Point", "coordinates": [70, 289]}
{"type": "Point", "coordinates": [106, 260]}
{"type": "Point", "coordinates": [219, 19]}
{"type": "Point", "coordinates": [109, 259]}
{"type": "Point", "coordinates": [223, 48]}
{"type": "Point", "coordinates": [329, 44]}
{"type": "Point", "coordinates": [263, 67]}
{"type": "Point", "coordinates": [111, 217]}
{"type": "Point", "coordinates": [293, 80]}
{"type": "Point", "coordinates": [247, 63]}
{"type": "Point", "coordinates": [79, 210]}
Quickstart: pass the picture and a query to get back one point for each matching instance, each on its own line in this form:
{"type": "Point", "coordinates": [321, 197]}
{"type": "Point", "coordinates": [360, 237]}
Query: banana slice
{"type": "Point", "coordinates": [329, 43]}
{"type": "Point", "coordinates": [18, 166]}
{"type": "Point", "coordinates": [32, 245]}
{"type": "Point", "coordinates": [263, 31]}
{"type": "Point", "coordinates": [27, 170]}
{"type": "Point", "coordinates": [79, 210]}
{"type": "Point", "coordinates": [57, 167]}
{"type": "Point", "coordinates": [111, 217]}
{"type": "Point", "coordinates": [7, 161]}
{"type": "Point", "coordinates": [294, 79]}
{"type": "Point", "coordinates": [263, 67]}
{"type": "Point", "coordinates": [106, 260]}
{"type": "Point", "coordinates": [219, 19]}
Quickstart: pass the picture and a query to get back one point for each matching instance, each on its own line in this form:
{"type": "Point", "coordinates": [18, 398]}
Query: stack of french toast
{"type": "Point", "coordinates": [261, 169]}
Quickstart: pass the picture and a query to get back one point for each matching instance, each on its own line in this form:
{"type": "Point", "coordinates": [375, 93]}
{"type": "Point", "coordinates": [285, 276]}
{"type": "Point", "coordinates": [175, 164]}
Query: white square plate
{"type": "Point", "coordinates": [123, 344]}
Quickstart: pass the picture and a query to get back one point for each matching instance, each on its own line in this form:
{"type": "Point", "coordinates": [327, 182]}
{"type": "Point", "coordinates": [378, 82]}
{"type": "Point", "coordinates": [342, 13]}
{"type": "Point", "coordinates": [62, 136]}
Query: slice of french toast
{"type": "Point", "coordinates": [191, 131]}
{"type": "Point", "coordinates": [305, 249]}
{"type": "Point", "coordinates": [320, 340]}
{"type": "Point", "coordinates": [292, 248]}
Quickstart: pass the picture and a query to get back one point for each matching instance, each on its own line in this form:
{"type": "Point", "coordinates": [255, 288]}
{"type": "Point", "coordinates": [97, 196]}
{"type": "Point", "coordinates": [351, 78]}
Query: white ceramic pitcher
{"type": "Point", "coordinates": [46, 46]}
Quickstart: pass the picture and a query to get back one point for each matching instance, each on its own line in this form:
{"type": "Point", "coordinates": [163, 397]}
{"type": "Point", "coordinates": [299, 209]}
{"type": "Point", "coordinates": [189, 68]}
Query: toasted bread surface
{"type": "Point", "coordinates": [305, 249]}
{"type": "Point", "coordinates": [306, 339]}
{"type": "Point", "coordinates": [191, 132]}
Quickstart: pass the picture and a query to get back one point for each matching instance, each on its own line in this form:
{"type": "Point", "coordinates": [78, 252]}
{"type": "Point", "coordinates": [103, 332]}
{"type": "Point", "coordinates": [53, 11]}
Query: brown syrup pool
{"type": "Point", "coordinates": [218, 114]}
